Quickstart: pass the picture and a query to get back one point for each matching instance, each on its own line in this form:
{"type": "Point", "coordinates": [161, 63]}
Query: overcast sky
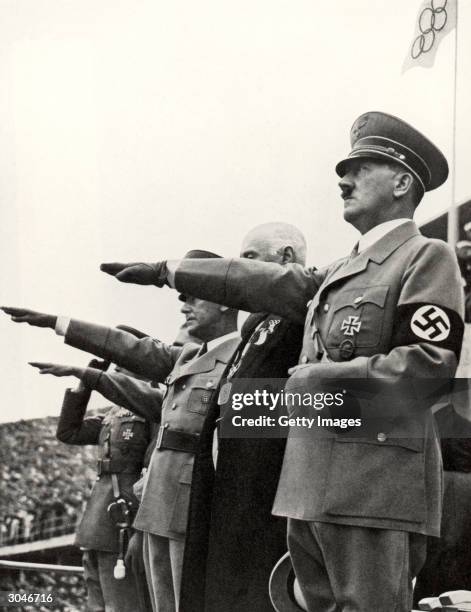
{"type": "Point", "coordinates": [136, 130]}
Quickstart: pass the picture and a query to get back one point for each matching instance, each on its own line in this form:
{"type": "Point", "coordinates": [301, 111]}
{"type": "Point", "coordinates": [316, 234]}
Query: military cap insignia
{"type": "Point", "coordinates": [358, 126]}
{"type": "Point", "coordinates": [351, 325]}
{"type": "Point", "coordinates": [431, 323]}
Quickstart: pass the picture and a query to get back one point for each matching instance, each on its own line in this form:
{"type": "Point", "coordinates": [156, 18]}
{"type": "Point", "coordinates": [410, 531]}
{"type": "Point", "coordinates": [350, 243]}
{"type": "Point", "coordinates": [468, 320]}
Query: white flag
{"type": "Point", "coordinates": [436, 18]}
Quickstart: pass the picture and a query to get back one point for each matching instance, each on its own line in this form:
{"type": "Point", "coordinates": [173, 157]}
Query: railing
{"type": "Point", "coordinates": [40, 567]}
{"type": "Point", "coordinates": [41, 530]}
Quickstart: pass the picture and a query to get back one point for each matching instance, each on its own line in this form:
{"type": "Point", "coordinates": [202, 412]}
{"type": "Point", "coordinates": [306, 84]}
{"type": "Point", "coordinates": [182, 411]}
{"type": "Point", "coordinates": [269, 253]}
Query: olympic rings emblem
{"type": "Point", "coordinates": [432, 19]}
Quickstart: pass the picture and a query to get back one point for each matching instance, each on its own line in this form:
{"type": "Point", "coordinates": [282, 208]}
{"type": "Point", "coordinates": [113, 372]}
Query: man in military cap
{"type": "Point", "coordinates": [191, 374]}
{"type": "Point", "coordinates": [358, 508]}
{"type": "Point", "coordinates": [122, 438]}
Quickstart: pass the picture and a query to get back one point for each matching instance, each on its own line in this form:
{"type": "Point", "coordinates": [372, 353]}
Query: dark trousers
{"type": "Point", "coordinates": [342, 568]}
{"type": "Point", "coordinates": [105, 593]}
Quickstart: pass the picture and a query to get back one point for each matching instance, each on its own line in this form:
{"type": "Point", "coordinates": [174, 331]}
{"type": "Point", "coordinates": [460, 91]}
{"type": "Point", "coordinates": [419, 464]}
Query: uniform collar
{"type": "Point", "coordinates": [377, 232]}
{"type": "Point", "coordinates": [378, 253]}
{"type": "Point", "coordinates": [212, 344]}
{"type": "Point", "coordinates": [222, 351]}
{"type": "Point", "coordinates": [391, 240]}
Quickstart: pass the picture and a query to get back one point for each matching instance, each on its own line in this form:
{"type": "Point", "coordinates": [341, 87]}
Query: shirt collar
{"type": "Point", "coordinates": [377, 232]}
{"type": "Point", "coordinates": [217, 341]}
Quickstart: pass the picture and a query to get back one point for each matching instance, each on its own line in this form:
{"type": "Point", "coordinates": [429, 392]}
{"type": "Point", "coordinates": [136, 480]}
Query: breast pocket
{"type": "Point", "coordinates": [358, 315]}
{"type": "Point", "coordinates": [201, 396]}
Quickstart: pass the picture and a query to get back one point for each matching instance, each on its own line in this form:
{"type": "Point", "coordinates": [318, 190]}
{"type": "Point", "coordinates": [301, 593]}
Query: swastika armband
{"type": "Point", "coordinates": [425, 322]}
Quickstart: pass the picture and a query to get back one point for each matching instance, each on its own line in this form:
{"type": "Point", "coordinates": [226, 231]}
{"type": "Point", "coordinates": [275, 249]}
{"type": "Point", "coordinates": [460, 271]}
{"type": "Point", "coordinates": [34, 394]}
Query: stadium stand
{"type": "Point", "coordinates": [44, 485]}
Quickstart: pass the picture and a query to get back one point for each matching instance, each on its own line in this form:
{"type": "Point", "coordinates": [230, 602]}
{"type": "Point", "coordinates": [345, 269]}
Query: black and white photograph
{"type": "Point", "coordinates": [235, 306]}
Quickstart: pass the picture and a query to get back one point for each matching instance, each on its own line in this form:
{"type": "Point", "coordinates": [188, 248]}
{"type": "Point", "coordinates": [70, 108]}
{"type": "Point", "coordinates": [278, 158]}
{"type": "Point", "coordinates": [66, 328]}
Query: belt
{"type": "Point", "coordinates": [118, 466]}
{"type": "Point", "coordinates": [174, 439]}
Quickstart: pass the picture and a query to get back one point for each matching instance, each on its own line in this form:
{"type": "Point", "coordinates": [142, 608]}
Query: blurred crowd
{"type": "Point", "coordinates": [68, 590]}
{"type": "Point", "coordinates": [43, 483]}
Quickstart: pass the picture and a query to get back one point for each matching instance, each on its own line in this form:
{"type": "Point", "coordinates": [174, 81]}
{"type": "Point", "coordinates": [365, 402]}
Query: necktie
{"type": "Point", "coordinates": [354, 252]}
{"type": "Point", "coordinates": [203, 350]}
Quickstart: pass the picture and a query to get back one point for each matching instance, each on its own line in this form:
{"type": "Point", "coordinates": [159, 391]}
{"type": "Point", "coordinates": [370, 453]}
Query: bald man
{"type": "Point", "coordinates": [233, 541]}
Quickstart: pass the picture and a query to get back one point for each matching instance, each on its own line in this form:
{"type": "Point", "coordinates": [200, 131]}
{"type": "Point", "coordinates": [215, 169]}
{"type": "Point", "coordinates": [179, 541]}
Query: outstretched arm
{"type": "Point", "coordinates": [145, 356]}
{"type": "Point", "coordinates": [239, 283]}
{"type": "Point", "coordinates": [36, 319]}
{"type": "Point", "coordinates": [73, 427]}
{"type": "Point", "coordinates": [123, 390]}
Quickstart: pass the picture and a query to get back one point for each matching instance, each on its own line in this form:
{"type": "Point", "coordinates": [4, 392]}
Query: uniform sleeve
{"type": "Point", "coordinates": [428, 326]}
{"type": "Point", "coordinates": [250, 285]}
{"type": "Point", "coordinates": [133, 394]}
{"type": "Point", "coordinates": [147, 357]}
{"type": "Point", "coordinates": [72, 427]}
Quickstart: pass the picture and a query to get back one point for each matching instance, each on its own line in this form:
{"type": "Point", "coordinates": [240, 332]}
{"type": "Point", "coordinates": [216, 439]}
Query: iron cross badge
{"type": "Point", "coordinates": [128, 434]}
{"type": "Point", "coordinates": [351, 325]}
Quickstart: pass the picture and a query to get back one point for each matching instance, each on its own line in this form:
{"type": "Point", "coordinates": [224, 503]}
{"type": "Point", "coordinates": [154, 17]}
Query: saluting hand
{"type": "Point", "coordinates": [57, 369]}
{"type": "Point", "coordinates": [22, 315]}
{"type": "Point", "coordinates": [137, 273]}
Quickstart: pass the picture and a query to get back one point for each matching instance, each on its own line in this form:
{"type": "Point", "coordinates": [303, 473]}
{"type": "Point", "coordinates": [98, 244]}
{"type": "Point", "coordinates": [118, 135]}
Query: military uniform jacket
{"type": "Point", "coordinates": [191, 385]}
{"type": "Point", "coordinates": [122, 438]}
{"type": "Point", "coordinates": [394, 311]}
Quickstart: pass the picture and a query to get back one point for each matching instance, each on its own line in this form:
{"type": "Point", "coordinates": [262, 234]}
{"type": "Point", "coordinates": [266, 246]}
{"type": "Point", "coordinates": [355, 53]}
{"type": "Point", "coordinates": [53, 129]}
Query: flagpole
{"type": "Point", "coordinates": [453, 231]}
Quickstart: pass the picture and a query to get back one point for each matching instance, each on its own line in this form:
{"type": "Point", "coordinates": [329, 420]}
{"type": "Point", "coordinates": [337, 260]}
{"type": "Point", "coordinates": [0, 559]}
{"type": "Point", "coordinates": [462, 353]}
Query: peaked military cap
{"type": "Point", "coordinates": [200, 254]}
{"type": "Point", "coordinates": [381, 136]}
{"type": "Point", "coordinates": [197, 254]}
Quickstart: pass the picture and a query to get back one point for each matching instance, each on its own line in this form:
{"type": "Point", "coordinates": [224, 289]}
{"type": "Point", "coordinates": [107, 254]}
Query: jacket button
{"type": "Point", "coordinates": [382, 437]}
{"type": "Point", "coordinates": [209, 383]}
{"type": "Point", "coordinates": [326, 307]}
{"type": "Point", "coordinates": [174, 406]}
{"type": "Point", "coordinates": [358, 299]}
{"type": "Point", "coordinates": [183, 386]}
{"type": "Point", "coordinates": [304, 359]}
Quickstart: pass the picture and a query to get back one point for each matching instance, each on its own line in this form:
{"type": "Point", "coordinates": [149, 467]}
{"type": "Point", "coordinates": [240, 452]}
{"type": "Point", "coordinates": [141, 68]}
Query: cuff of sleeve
{"type": "Point", "coordinates": [92, 377]}
{"type": "Point", "coordinates": [62, 325]}
{"type": "Point", "coordinates": [172, 266]}
{"type": "Point", "coordinates": [79, 388]}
